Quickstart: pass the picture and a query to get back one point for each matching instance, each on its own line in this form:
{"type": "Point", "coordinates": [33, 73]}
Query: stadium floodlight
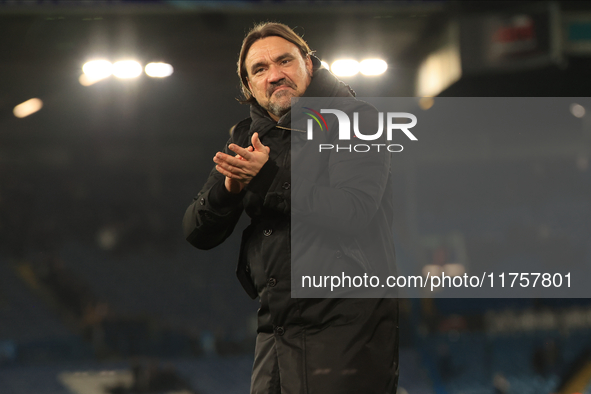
{"type": "Point", "coordinates": [95, 70]}
{"type": "Point", "coordinates": [125, 69]}
{"type": "Point", "coordinates": [373, 67]}
{"type": "Point", "coordinates": [158, 70]}
{"type": "Point", "coordinates": [577, 110]}
{"type": "Point", "coordinates": [426, 102]}
{"type": "Point", "coordinates": [345, 67]}
{"type": "Point", "coordinates": [27, 108]}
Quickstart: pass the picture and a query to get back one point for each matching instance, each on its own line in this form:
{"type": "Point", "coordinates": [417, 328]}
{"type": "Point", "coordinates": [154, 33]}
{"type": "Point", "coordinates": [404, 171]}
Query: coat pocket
{"type": "Point", "coordinates": [243, 270]}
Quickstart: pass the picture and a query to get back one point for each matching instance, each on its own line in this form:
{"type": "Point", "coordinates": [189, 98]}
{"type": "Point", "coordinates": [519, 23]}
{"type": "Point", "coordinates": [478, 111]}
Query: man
{"type": "Point", "coordinates": [304, 345]}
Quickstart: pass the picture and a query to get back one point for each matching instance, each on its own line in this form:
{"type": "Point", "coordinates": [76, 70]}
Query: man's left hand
{"type": "Point", "coordinates": [247, 165]}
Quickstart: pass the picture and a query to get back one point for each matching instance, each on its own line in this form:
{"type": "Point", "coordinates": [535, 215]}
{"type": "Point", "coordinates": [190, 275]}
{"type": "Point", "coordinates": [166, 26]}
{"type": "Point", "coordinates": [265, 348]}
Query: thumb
{"type": "Point", "coordinates": [258, 145]}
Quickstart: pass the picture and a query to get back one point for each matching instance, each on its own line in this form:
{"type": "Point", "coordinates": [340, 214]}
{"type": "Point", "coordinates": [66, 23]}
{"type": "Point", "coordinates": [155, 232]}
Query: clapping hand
{"type": "Point", "coordinates": [240, 169]}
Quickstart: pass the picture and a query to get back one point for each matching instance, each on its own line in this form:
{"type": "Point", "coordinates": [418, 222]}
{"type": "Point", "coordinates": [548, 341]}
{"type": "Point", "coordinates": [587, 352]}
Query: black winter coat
{"type": "Point", "coordinates": [304, 345]}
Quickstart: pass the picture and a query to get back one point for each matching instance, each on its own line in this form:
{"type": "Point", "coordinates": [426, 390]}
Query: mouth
{"type": "Point", "coordinates": [280, 88]}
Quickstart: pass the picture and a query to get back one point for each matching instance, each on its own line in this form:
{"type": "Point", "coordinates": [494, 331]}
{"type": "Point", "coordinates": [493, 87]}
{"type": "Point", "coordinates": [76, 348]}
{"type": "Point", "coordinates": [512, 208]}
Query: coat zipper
{"type": "Point", "coordinates": [287, 128]}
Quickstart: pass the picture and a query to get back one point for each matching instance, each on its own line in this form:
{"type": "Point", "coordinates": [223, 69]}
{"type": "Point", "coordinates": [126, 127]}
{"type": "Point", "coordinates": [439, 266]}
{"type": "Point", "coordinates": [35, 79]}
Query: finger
{"type": "Point", "coordinates": [236, 168]}
{"type": "Point", "coordinates": [240, 151]}
{"type": "Point", "coordinates": [234, 163]}
{"type": "Point", "coordinates": [258, 145]}
{"type": "Point", "coordinates": [220, 156]}
{"type": "Point", "coordinates": [230, 172]}
{"type": "Point", "coordinates": [250, 149]}
{"type": "Point", "coordinates": [224, 158]}
{"type": "Point", "coordinates": [256, 142]}
{"type": "Point", "coordinates": [223, 171]}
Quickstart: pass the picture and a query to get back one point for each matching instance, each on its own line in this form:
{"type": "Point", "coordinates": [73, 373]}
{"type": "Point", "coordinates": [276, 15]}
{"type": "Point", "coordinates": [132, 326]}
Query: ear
{"type": "Point", "coordinates": [309, 65]}
{"type": "Point", "coordinates": [250, 87]}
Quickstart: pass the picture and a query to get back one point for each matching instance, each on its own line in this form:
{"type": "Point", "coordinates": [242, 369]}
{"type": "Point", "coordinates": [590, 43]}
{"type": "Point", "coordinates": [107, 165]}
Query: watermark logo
{"type": "Point", "coordinates": [315, 116]}
{"type": "Point", "coordinates": [344, 123]}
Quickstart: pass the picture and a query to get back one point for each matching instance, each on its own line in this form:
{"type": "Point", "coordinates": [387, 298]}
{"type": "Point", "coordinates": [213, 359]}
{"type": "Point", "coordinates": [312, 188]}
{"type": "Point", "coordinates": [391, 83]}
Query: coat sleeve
{"type": "Point", "coordinates": [206, 225]}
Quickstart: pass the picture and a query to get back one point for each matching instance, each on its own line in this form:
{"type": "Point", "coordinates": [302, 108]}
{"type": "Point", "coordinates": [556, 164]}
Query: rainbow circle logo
{"type": "Point", "coordinates": [315, 115]}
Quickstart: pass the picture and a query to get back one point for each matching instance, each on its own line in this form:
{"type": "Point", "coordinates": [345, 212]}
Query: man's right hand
{"type": "Point", "coordinates": [240, 169]}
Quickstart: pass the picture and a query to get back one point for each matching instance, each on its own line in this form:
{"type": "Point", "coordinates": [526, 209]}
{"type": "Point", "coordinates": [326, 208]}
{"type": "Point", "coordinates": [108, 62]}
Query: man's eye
{"type": "Point", "coordinates": [285, 61]}
{"type": "Point", "coordinates": [258, 70]}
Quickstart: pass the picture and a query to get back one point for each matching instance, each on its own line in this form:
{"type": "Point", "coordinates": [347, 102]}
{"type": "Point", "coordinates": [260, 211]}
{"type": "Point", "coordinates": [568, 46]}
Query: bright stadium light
{"type": "Point", "coordinates": [431, 270]}
{"type": "Point", "coordinates": [345, 67]}
{"type": "Point", "coordinates": [158, 70]}
{"type": "Point", "coordinates": [577, 110]}
{"type": "Point", "coordinates": [27, 108]}
{"type": "Point", "coordinates": [373, 67]}
{"type": "Point", "coordinates": [85, 80]}
{"type": "Point", "coordinates": [426, 102]}
{"type": "Point", "coordinates": [127, 69]}
{"type": "Point", "coordinates": [95, 70]}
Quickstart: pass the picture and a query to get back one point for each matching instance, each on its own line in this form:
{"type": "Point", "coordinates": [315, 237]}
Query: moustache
{"type": "Point", "coordinates": [276, 85]}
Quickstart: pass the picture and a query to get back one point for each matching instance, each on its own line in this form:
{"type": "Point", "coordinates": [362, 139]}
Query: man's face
{"type": "Point", "coordinates": [276, 73]}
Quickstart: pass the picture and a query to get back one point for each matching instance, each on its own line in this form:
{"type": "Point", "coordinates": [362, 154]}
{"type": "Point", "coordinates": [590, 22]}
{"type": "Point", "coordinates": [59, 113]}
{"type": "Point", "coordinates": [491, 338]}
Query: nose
{"type": "Point", "coordinates": [275, 73]}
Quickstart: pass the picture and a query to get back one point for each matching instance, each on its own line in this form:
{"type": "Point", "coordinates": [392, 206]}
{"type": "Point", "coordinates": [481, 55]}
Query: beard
{"type": "Point", "coordinates": [282, 103]}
